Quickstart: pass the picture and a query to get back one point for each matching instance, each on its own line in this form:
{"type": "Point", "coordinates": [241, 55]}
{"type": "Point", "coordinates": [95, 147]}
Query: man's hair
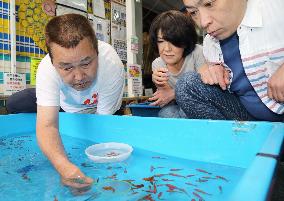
{"type": "Point", "coordinates": [68, 30]}
{"type": "Point", "coordinates": [176, 28]}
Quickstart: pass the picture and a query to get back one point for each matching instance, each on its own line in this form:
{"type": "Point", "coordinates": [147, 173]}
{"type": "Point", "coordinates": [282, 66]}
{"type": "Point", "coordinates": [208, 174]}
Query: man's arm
{"type": "Point", "coordinates": [214, 75]}
{"type": "Point", "coordinates": [50, 143]}
{"type": "Point", "coordinates": [276, 85]}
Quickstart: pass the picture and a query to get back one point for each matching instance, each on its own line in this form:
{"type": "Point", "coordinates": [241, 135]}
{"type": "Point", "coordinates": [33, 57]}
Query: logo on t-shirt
{"type": "Point", "coordinates": [92, 101]}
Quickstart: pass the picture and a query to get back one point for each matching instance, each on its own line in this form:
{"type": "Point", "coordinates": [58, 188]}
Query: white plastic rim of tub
{"type": "Point", "coordinates": [123, 150]}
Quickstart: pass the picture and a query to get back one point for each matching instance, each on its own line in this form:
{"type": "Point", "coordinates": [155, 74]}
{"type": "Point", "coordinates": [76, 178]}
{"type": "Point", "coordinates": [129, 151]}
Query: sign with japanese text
{"type": "Point", "coordinates": [14, 82]}
{"type": "Point", "coordinates": [34, 65]}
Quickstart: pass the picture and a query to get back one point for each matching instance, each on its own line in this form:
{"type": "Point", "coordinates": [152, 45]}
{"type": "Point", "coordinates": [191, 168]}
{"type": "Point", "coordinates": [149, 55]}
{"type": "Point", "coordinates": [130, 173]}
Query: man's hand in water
{"type": "Point", "coordinates": [76, 180]}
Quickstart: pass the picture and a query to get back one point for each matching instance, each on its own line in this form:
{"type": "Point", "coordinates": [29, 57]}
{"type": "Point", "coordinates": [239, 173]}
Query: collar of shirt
{"type": "Point", "coordinates": [253, 16]}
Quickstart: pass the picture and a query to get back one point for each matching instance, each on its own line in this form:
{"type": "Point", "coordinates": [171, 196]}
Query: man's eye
{"type": "Point", "coordinates": [193, 13]}
{"type": "Point", "coordinates": [68, 69]}
{"type": "Point", "coordinates": [85, 65]}
{"type": "Point", "coordinates": [209, 4]}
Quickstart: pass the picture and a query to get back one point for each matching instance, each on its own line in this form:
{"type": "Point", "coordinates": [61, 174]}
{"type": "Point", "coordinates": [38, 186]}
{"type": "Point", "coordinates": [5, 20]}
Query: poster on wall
{"type": "Point", "coordinates": [134, 44]}
{"type": "Point", "coordinates": [77, 4]}
{"type": "Point", "coordinates": [99, 8]}
{"type": "Point", "coordinates": [134, 80]}
{"type": "Point", "coordinates": [118, 30]}
{"type": "Point", "coordinates": [62, 10]}
{"type": "Point", "coordinates": [120, 47]}
{"type": "Point", "coordinates": [14, 82]}
{"type": "Point", "coordinates": [34, 65]}
{"type": "Point", "coordinates": [101, 27]}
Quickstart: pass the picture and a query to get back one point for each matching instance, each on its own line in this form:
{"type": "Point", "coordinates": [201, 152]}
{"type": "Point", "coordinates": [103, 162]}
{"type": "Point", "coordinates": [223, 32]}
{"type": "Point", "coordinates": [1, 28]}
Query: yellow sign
{"type": "Point", "coordinates": [34, 65]}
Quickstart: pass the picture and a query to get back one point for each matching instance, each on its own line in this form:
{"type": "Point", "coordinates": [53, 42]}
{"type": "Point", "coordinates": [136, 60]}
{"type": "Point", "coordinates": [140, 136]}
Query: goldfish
{"type": "Point", "coordinates": [109, 188]}
{"type": "Point", "coordinates": [168, 180]}
{"type": "Point", "coordinates": [129, 180]}
{"type": "Point", "coordinates": [147, 197]}
{"type": "Point", "coordinates": [150, 179]}
{"type": "Point", "coordinates": [171, 187]}
{"type": "Point", "coordinates": [25, 177]}
{"type": "Point", "coordinates": [201, 191]}
{"type": "Point", "coordinates": [86, 165]}
{"type": "Point", "coordinates": [203, 171]}
{"type": "Point", "coordinates": [111, 154]}
{"type": "Point", "coordinates": [160, 175]}
{"type": "Point", "coordinates": [111, 177]}
{"type": "Point", "coordinates": [175, 169]}
{"type": "Point", "coordinates": [202, 180]}
{"type": "Point", "coordinates": [137, 186]}
{"type": "Point", "coordinates": [190, 184]}
{"type": "Point", "coordinates": [220, 189]}
{"type": "Point", "coordinates": [176, 175]}
{"type": "Point", "coordinates": [197, 195]}
{"type": "Point", "coordinates": [158, 157]}
{"type": "Point", "coordinates": [208, 178]}
{"type": "Point", "coordinates": [222, 178]}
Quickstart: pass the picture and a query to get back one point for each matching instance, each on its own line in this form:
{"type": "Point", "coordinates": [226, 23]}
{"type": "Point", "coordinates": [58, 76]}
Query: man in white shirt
{"type": "Point", "coordinates": [80, 74]}
{"type": "Point", "coordinates": [244, 48]}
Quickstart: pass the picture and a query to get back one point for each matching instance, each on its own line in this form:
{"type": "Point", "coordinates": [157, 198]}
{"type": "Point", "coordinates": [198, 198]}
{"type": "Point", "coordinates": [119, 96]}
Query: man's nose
{"type": "Point", "coordinates": [78, 74]}
{"type": "Point", "coordinates": [205, 19]}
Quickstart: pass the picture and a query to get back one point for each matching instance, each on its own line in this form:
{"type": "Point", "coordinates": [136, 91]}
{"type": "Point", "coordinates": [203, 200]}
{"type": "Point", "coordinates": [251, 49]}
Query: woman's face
{"type": "Point", "coordinates": [168, 52]}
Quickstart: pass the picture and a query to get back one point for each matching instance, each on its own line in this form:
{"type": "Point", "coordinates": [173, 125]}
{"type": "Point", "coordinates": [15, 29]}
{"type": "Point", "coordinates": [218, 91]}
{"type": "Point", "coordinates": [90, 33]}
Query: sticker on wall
{"type": "Point", "coordinates": [134, 80]}
{"type": "Point", "coordinates": [101, 27]}
{"type": "Point", "coordinates": [34, 65]}
{"type": "Point", "coordinates": [99, 8]}
{"type": "Point", "coordinates": [118, 30]}
{"type": "Point", "coordinates": [14, 82]}
{"type": "Point", "coordinates": [77, 4]}
{"type": "Point", "coordinates": [62, 10]}
{"type": "Point", "coordinates": [134, 44]}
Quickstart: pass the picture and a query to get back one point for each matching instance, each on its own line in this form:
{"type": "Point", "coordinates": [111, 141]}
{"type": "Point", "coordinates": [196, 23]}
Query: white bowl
{"type": "Point", "coordinates": [109, 152]}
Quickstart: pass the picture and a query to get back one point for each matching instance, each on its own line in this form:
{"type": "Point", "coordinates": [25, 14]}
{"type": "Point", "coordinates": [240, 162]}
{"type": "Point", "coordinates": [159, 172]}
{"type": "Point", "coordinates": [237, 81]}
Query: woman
{"type": "Point", "coordinates": [173, 36]}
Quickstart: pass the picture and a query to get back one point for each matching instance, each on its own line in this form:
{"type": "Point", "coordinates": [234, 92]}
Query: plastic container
{"type": "Point", "coordinates": [144, 110]}
{"type": "Point", "coordinates": [110, 152]}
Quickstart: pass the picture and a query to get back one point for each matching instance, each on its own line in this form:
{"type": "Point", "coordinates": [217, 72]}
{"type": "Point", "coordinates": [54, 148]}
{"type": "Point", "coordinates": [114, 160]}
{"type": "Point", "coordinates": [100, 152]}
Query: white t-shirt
{"type": "Point", "coordinates": [102, 97]}
{"type": "Point", "coordinates": [191, 63]}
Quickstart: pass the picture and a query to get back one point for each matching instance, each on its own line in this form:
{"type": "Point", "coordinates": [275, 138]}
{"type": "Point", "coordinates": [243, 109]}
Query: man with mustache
{"type": "Point", "coordinates": [244, 49]}
{"type": "Point", "coordinates": [80, 75]}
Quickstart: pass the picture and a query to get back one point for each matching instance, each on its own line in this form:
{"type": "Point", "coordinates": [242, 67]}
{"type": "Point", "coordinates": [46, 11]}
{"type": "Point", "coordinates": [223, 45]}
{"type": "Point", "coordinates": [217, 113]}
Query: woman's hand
{"type": "Point", "coordinates": [162, 96]}
{"type": "Point", "coordinates": [160, 77]}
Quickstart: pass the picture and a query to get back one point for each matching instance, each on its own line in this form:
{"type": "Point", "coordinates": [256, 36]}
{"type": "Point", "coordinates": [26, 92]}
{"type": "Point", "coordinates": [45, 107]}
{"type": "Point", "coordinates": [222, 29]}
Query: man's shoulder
{"type": "Point", "coordinates": [46, 70]}
{"type": "Point", "coordinates": [108, 55]}
{"type": "Point", "coordinates": [198, 49]}
{"type": "Point", "coordinates": [45, 64]}
{"type": "Point", "coordinates": [104, 48]}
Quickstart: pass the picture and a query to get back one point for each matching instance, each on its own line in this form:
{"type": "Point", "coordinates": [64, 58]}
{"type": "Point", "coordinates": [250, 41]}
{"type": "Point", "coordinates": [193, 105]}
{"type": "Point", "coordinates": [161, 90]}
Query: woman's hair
{"type": "Point", "coordinates": [176, 28]}
{"type": "Point", "coordinates": [68, 30]}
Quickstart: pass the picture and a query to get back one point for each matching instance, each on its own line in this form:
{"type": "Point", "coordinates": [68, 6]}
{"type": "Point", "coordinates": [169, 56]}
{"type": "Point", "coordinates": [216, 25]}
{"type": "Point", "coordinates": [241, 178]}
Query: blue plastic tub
{"type": "Point", "coordinates": [217, 160]}
{"type": "Point", "coordinates": [144, 110]}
